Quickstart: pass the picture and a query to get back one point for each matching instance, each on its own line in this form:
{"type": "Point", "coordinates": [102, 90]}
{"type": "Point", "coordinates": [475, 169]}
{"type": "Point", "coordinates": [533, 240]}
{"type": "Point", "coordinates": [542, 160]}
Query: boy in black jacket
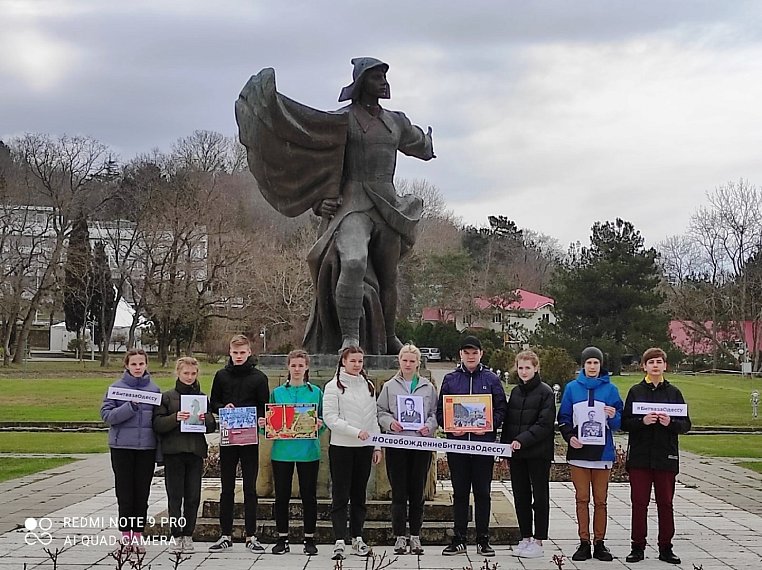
{"type": "Point", "coordinates": [652, 455]}
{"type": "Point", "coordinates": [239, 384]}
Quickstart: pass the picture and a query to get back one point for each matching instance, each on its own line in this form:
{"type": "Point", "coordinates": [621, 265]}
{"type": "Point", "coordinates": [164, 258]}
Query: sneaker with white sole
{"type": "Point", "coordinates": [188, 545]}
{"type": "Point", "coordinates": [253, 545]}
{"type": "Point", "coordinates": [338, 550]}
{"type": "Point", "coordinates": [177, 545]}
{"type": "Point", "coordinates": [520, 546]}
{"type": "Point", "coordinates": [532, 550]}
{"type": "Point", "coordinates": [456, 546]}
{"type": "Point", "coordinates": [415, 545]}
{"type": "Point", "coordinates": [359, 548]}
{"type": "Point", "coordinates": [400, 547]}
{"type": "Point", "coordinates": [222, 544]}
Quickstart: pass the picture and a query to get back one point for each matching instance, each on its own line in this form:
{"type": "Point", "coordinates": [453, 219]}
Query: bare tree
{"type": "Point", "coordinates": [61, 172]}
{"type": "Point", "coordinates": [712, 270]}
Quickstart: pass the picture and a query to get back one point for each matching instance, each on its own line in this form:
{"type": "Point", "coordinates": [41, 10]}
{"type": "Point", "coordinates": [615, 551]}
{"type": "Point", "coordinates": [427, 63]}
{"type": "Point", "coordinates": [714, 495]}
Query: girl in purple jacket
{"type": "Point", "coordinates": [133, 448]}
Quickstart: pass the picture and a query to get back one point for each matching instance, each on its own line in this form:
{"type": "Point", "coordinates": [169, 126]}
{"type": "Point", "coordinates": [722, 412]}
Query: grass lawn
{"type": "Point", "coordinates": [740, 445]}
{"type": "Point", "coordinates": [53, 442]}
{"type": "Point", "coordinates": [753, 465]}
{"type": "Point", "coordinates": [718, 400]}
{"type": "Point", "coordinates": [77, 396]}
{"type": "Point", "coordinates": [13, 467]}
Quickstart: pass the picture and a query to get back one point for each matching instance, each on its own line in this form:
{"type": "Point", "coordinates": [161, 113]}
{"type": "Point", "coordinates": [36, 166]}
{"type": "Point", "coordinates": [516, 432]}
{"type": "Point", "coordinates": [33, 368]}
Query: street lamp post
{"type": "Point", "coordinates": [263, 336]}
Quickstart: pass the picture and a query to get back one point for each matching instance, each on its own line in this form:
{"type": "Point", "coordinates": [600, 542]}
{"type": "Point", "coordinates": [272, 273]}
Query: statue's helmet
{"type": "Point", "coordinates": [361, 65]}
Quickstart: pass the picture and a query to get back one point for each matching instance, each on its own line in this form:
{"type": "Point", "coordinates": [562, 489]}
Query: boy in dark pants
{"type": "Point", "coordinates": [239, 384]}
{"type": "Point", "coordinates": [652, 455]}
{"type": "Point", "coordinates": [469, 471]}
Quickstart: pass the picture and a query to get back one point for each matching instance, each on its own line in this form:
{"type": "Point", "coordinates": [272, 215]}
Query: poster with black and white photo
{"type": "Point", "coordinates": [410, 411]}
{"type": "Point", "coordinates": [590, 422]}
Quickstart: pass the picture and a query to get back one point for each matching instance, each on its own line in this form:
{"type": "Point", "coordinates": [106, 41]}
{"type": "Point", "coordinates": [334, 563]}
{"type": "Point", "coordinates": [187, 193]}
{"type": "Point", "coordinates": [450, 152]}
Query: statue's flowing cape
{"type": "Point", "coordinates": [295, 152]}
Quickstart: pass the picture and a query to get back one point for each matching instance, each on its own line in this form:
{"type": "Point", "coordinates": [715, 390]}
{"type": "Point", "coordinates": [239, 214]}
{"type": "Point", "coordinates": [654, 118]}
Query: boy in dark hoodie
{"type": "Point", "coordinates": [652, 455]}
{"type": "Point", "coordinates": [239, 384]}
{"type": "Point", "coordinates": [590, 464]}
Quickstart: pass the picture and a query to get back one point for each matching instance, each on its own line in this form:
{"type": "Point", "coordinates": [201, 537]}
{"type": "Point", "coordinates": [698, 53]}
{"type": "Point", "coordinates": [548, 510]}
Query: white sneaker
{"type": "Point", "coordinates": [338, 550]}
{"type": "Point", "coordinates": [188, 544]}
{"type": "Point", "coordinates": [178, 543]}
{"type": "Point", "coordinates": [533, 550]}
{"type": "Point", "coordinates": [415, 545]}
{"type": "Point", "coordinates": [400, 547]}
{"type": "Point", "coordinates": [521, 546]}
{"type": "Point", "coordinates": [359, 548]}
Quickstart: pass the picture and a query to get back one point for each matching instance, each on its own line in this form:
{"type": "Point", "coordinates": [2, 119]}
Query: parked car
{"type": "Point", "coordinates": [431, 354]}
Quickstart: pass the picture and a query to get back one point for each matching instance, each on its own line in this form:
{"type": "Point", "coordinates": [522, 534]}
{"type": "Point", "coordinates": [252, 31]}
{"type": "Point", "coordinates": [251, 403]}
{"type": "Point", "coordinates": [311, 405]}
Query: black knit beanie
{"type": "Point", "coordinates": [591, 352]}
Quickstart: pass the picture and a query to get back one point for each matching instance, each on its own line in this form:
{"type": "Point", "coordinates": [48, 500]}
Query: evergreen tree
{"type": "Point", "coordinates": [608, 295]}
{"type": "Point", "coordinates": [78, 293]}
{"type": "Point", "coordinates": [103, 305]}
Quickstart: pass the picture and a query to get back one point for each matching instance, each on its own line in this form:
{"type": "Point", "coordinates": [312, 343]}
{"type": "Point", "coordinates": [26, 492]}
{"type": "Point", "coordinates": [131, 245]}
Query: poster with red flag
{"type": "Point", "coordinates": [291, 421]}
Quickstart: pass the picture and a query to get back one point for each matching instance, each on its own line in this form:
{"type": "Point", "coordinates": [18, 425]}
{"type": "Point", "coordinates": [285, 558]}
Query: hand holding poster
{"type": "Point", "coordinates": [410, 411]}
{"type": "Point", "coordinates": [291, 421]}
{"type": "Point", "coordinates": [195, 406]}
{"type": "Point", "coordinates": [468, 412]}
{"type": "Point", "coordinates": [238, 426]}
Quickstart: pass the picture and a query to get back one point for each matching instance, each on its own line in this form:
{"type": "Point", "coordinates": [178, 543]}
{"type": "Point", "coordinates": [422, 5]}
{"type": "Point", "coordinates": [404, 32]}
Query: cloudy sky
{"type": "Point", "coordinates": [555, 114]}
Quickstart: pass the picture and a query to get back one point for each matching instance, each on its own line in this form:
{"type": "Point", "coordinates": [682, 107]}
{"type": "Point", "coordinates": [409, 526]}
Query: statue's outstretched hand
{"type": "Point", "coordinates": [328, 207]}
{"type": "Point", "coordinates": [428, 134]}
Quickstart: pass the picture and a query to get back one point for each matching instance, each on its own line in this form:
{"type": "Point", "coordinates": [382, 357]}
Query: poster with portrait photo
{"type": "Point", "coordinates": [590, 422]}
{"type": "Point", "coordinates": [410, 412]}
{"type": "Point", "coordinates": [195, 405]}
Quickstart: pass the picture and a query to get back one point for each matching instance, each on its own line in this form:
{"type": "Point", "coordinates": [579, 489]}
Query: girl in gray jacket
{"type": "Point", "coordinates": [407, 406]}
{"type": "Point", "coordinates": [133, 448]}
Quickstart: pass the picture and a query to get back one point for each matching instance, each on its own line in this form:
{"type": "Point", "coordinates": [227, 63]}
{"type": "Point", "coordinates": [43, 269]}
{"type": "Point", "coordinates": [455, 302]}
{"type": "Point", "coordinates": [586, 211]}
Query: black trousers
{"type": "Point", "coordinates": [350, 471]}
{"type": "Point", "coordinates": [469, 472]}
{"type": "Point", "coordinates": [230, 455]}
{"type": "Point", "coordinates": [407, 470]}
{"type": "Point", "coordinates": [283, 474]}
{"type": "Point", "coordinates": [133, 471]}
{"type": "Point", "coordinates": [182, 479]}
{"type": "Point", "coordinates": [531, 494]}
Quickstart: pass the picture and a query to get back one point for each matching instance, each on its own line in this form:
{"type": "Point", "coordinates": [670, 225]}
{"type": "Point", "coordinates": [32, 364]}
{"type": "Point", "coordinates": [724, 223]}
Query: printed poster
{"type": "Point", "coordinates": [590, 422]}
{"type": "Point", "coordinates": [410, 412]}
{"type": "Point", "coordinates": [196, 405]}
{"type": "Point", "coordinates": [468, 412]}
{"type": "Point", "coordinates": [291, 421]}
{"type": "Point", "coordinates": [238, 426]}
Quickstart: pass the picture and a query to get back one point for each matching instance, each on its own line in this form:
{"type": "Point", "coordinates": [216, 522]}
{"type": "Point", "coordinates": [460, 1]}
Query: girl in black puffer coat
{"type": "Point", "coordinates": [528, 428]}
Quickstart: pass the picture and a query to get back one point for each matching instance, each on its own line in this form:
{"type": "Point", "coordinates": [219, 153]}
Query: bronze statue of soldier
{"type": "Point", "coordinates": [340, 164]}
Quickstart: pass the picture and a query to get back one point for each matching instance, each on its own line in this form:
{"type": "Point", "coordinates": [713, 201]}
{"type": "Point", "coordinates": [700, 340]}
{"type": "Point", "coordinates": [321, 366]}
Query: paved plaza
{"type": "Point", "coordinates": [718, 511]}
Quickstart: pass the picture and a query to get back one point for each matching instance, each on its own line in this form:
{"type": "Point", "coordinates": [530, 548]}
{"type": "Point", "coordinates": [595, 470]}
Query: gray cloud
{"type": "Point", "coordinates": [555, 114]}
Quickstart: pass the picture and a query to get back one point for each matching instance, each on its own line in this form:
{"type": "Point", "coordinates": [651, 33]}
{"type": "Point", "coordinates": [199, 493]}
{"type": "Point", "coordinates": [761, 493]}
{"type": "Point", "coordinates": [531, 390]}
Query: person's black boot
{"type": "Point", "coordinates": [668, 556]}
{"type": "Point", "coordinates": [600, 552]}
{"type": "Point", "coordinates": [637, 554]}
{"type": "Point", "coordinates": [583, 551]}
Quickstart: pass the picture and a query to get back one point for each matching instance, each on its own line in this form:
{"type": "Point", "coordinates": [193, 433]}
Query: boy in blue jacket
{"type": "Point", "coordinates": [470, 470]}
{"type": "Point", "coordinates": [590, 463]}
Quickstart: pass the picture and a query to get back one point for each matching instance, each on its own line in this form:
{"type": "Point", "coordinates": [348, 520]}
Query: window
{"type": "Point", "coordinates": [497, 318]}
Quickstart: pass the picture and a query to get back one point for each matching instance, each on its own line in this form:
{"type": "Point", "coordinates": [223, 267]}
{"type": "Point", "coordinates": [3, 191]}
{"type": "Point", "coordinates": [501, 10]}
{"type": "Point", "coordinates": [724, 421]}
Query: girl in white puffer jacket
{"type": "Point", "coordinates": [349, 411]}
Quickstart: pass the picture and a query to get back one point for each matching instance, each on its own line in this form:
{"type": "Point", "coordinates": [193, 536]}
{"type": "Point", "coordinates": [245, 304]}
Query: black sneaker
{"type": "Point", "coordinates": [600, 552]}
{"type": "Point", "coordinates": [309, 546]}
{"type": "Point", "coordinates": [636, 555]}
{"type": "Point", "coordinates": [281, 546]}
{"type": "Point", "coordinates": [457, 546]}
{"type": "Point", "coordinates": [483, 548]}
{"type": "Point", "coordinates": [583, 551]}
{"type": "Point", "coordinates": [668, 556]}
{"type": "Point", "coordinates": [221, 545]}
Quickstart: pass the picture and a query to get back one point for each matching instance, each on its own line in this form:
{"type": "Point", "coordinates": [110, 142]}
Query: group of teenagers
{"type": "Point", "coordinates": [350, 408]}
